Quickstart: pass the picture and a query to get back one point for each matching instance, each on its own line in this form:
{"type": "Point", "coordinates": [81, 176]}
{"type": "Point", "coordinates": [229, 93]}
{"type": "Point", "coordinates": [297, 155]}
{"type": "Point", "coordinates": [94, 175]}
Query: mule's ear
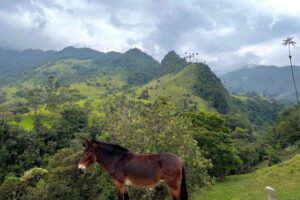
{"type": "Point", "coordinates": [87, 142]}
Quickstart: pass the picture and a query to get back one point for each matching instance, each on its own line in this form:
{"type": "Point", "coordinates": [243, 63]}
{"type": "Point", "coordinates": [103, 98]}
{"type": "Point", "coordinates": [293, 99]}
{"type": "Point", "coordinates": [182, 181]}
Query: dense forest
{"type": "Point", "coordinates": [132, 100]}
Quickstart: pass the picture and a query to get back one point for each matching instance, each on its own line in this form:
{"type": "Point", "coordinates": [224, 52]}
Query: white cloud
{"type": "Point", "coordinates": [226, 33]}
{"type": "Point", "coordinates": [274, 22]}
{"type": "Point", "coordinates": [278, 7]}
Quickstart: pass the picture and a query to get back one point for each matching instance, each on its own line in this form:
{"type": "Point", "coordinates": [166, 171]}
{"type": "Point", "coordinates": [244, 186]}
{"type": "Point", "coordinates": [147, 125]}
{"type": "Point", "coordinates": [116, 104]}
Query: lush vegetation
{"type": "Point", "coordinates": [15, 64]}
{"type": "Point", "coordinates": [148, 107]}
{"type": "Point", "coordinates": [280, 146]}
{"type": "Point", "coordinates": [137, 126]}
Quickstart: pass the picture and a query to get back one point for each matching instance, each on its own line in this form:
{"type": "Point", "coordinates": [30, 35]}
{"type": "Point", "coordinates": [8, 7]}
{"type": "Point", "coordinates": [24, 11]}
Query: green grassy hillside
{"type": "Point", "coordinates": [191, 86]}
{"type": "Point", "coordinates": [179, 87]}
{"type": "Point", "coordinates": [15, 64]}
{"type": "Point", "coordinates": [80, 74]}
{"type": "Point", "coordinates": [284, 178]}
{"type": "Point", "coordinates": [73, 65]}
{"type": "Point", "coordinates": [66, 71]}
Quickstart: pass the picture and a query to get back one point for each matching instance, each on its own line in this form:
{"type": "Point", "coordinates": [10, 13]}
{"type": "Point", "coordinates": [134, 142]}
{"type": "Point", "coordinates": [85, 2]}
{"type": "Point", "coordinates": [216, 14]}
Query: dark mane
{"type": "Point", "coordinates": [111, 147]}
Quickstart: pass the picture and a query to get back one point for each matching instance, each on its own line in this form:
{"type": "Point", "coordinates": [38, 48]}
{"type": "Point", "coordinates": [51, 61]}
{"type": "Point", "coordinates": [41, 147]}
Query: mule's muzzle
{"type": "Point", "coordinates": [82, 169]}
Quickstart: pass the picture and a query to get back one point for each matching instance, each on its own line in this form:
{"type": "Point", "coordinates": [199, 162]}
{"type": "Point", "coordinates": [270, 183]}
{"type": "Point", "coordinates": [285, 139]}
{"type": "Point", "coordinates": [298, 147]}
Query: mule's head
{"type": "Point", "coordinates": [88, 156]}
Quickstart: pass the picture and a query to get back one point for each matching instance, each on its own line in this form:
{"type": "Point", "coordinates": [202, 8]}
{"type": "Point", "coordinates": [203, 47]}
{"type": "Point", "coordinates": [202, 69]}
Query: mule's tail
{"type": "Point", "coordinates": [183, 190]}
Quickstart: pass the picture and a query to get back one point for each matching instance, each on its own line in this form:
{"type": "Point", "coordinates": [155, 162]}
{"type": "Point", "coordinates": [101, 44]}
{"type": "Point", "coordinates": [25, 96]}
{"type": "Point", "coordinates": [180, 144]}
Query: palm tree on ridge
{"type": "Point", "coordinates": [288, 42]}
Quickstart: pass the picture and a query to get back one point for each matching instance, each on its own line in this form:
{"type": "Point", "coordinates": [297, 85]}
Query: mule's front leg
{"type": "Point", "coordinates": [121, 189]}
{"type": "Point", "coordinates": [120, 195]}
{"type": "Point", "coordinates": [126, 195]}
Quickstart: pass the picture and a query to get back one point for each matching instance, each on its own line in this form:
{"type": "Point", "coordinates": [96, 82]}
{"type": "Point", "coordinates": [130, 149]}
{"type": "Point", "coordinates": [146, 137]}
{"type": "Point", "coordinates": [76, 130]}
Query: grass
{"type": "Point", "coordinates": [91, 89]}
{"type": "Point", "coordinates": [177, 86]}
{"type": "Point", "coordinates": [240, 97]}
{"type": "Point", "coordinates": [28, 121]}
{"type": "Point", "coordinates": [284, 178]}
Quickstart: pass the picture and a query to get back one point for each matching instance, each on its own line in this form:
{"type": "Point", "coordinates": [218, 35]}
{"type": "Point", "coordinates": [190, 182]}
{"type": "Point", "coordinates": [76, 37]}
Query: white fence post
{"type": "Point", "coordinates": [270, 193]}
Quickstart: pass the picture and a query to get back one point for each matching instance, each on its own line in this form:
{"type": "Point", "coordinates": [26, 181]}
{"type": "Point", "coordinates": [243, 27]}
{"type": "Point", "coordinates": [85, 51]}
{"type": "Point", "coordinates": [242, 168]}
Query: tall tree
{"type": "Point", "coordinates": [5, 114]}
{"type": "Point", "coordinates": [288, 42]}
{"type": "Point", "coordinates": [35, 99]}
{"type": "Point", "coordinates": [213, 138]}
{"type": "Point", "coordinates": [51, 98]}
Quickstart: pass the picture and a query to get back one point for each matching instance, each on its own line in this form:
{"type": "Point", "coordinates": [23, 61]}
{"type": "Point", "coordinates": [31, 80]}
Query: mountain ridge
{"type": "Point", "coordinates": [191, 84]}
{"type": "Point", "coordinates": [14, 64]}
{"type": "Point", "coordinates": [269, 80]}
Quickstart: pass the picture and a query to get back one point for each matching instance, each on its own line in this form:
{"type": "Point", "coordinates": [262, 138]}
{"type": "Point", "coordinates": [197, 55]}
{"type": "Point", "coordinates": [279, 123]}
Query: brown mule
{"type": "Point", "coordinates": [130, 169]}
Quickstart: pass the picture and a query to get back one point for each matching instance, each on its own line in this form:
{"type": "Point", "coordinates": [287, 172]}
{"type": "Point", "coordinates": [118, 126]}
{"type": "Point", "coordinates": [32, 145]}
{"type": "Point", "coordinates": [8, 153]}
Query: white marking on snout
{"type": "Point", "coordinates": [82, 167]}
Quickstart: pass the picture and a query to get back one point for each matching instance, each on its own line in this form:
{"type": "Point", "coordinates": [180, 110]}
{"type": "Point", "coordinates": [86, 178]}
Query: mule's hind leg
{"type": "Point", "coordinates": [173, 188]}
{"type": "Point", "coordinates": [170, 193]}
{"type": "Point", "coordinates": [172, 197]}
{"type": "Point", "coordinates": [174, 194]}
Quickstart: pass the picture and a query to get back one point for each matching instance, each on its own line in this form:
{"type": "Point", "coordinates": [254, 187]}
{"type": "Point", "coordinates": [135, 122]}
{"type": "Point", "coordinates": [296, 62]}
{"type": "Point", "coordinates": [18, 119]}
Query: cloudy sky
{"type": "Point", "coordinates": [227, 34]}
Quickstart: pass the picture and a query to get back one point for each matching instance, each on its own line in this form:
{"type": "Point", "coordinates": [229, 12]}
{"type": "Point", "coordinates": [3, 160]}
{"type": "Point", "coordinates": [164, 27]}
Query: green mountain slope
{"type": "Point", "coordinates": [137, 66]}
{"type": "Point", "coordinates": [194, 85]}
{"type": "Point", "coordinates": [269, 80]}
{"type": "Point", "coordinates": [191, 86]}
{"type": "Point", "coordinates": [15, 64]}
{"type": "Point", "coordinates": [172, 63]}
{"type": "Point", "coordinates": [73, 65]}
{"type": "Point", "coordinates": [284, 178]}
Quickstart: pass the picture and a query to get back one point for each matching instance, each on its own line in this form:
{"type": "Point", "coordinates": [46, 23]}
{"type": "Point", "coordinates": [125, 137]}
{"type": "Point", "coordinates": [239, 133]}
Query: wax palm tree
{"type": "Point", "coordinates": [288, 42]}
{"type": "Point", "coordinates": [186, 55]}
